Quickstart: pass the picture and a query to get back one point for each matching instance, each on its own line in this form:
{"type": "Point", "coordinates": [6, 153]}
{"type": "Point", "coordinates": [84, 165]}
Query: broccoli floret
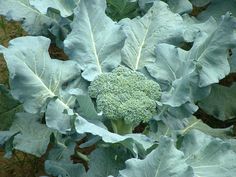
{"type": "Point", "coordinates": [125, 97]}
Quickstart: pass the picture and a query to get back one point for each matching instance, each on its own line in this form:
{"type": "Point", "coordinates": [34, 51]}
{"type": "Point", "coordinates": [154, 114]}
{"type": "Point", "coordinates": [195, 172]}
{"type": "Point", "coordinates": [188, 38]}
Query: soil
{"type": "Point", "coordinates": [21, 165]}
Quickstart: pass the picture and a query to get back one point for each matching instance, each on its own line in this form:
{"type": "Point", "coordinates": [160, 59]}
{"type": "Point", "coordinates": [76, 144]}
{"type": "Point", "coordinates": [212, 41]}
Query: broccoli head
{"type": "Point", "coordinates": [125, 97]}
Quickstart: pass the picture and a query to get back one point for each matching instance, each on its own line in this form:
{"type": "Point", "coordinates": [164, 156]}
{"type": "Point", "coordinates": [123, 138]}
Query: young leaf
{"type": "Point", "coordinates": [118, 10]}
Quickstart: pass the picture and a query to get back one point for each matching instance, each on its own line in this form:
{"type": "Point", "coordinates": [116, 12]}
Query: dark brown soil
{"type": "Point", "coordinates": [21, 165]}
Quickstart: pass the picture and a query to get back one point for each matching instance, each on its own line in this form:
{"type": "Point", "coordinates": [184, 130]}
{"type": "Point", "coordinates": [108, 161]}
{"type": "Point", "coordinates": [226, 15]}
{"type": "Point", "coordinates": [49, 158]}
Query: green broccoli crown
{"type": "Point", "coordinates": [125, 94]}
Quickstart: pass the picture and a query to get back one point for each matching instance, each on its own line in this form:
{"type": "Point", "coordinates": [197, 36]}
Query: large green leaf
{"type": "Point", "coordinates": [95, 41]}
{"type": "Point", "coordinates": [8, 108]}
{"type": "Point", "coordinates": [65, 7]}
{"type": "Point", "coordinates": [198, 155]}
{"type": "Point", "coordinates": [208, 156]}
{"type": "Point", "coordinates": [221, 102]}
{"type": "Point", "coordinates": [143, 34]}
{"type": "Point", "coordinates": [210, 52]}
{"type": "Point", "coordinates": [35, 77]}
{"type": "Point", "coordinates": [164, 161]}
{"type": "Point", "coordinates": [137, 143]}
{"type": "Point", "coordinates": [107, 161]}
{"type": "Point", "coordinates": [175, 73]}
{"type": "Point", "coordinates": [179, 83]}
{"type": "Point", "coordinates": [184, 72]}
{"type": "Point", "coordinates": [34, 137]}
{"type": "Point", "coordinates": [185, 76]}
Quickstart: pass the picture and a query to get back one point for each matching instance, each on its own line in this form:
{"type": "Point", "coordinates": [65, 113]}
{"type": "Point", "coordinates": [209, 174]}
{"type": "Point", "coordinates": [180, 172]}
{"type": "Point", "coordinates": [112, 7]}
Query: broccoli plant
{"type": "Point", "coordinates": [125, 97]}
{"type": "Point", "coordinates": [170, 64]}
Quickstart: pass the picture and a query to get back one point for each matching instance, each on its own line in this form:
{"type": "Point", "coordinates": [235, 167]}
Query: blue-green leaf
{"type": "Point", "coordinates": [95, 41]}
{"type": "Point", "coordinates": [64, 169]}
{"type": "Point", "coordinates": [65, 7]}
{"type": "Point", "coordinates": [221, 102]}
{"type": "Point", "coordinates": [208, 156]}
{"type": "Point", "coordinates": [143, 34]}
{"type": "Point", "coordinates": [210, 52]}
{"type": "Point", "coordinates": [164, 161]}
{"type": "Point", "coordinates": [35, 77]}
{"type": "Point", "coordinates": [59, 161]}
{"type": "Point", "coordinates": [107, 161]}
{"type": "Point", "coordinates": [176, 117]}
{"type": "Point", "coordinates": [137, 143]}
{"type": "Point", "coordinates": [216, 9]}
{"type": "Point", "coordinates": [34, 137]}
{"type": "Point", "coordinates": [194, 123]}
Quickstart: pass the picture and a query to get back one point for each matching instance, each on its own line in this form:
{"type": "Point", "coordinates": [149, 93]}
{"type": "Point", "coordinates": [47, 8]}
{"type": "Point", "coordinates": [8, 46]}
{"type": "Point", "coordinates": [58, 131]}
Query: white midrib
{"type": "Point", "coordinates": [42, 83]}
{"type": "Point", "coordinates": [51, 93]}
{"type": "Point", "coordinates": [141, 47]}
{"type": "Point", "coordinates": [93, 46]}
{"type": "Point", "coordinates": [187, 128]}
{"type": "Point", "coordinates": [28, 7]}
{"type": "Point", "coordinates": [157, 172]}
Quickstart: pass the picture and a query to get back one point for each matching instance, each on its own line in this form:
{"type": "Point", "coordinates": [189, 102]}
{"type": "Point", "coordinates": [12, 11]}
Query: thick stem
{"type": "Point", "coordinates": [120, 127]}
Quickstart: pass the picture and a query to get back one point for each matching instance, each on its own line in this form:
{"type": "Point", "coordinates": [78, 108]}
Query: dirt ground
{"type": "Point", "coordinates": [8, 31]}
